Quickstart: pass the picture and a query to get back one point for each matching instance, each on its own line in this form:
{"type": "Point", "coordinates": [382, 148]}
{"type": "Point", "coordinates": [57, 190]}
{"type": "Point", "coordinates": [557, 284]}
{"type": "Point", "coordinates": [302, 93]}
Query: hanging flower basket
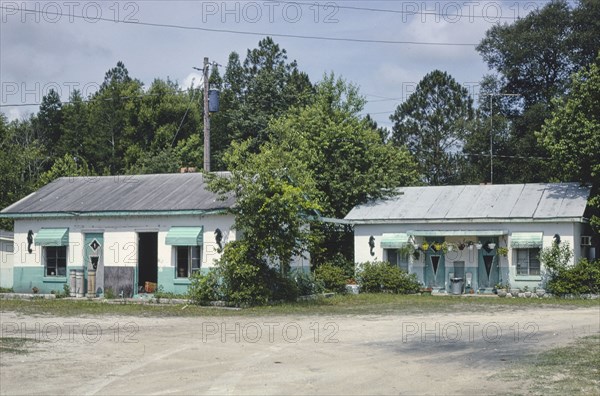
{"type": "Point", "coordinates": [478, 245]}
{"type": "Point", "coordinates": [461, 246]}
{"type": "Point", "coordinates": [437, 246]}
{"type": "Point", "coordinates": [425, 246]}
{"type": "Point", "coordinates": [492, 245]}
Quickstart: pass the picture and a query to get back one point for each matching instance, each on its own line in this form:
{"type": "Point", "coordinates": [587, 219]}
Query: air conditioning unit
{"type": "Point", "coordinates": [586, 240]}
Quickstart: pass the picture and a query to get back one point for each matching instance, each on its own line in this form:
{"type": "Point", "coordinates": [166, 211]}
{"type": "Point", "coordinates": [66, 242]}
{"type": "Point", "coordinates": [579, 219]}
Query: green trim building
{"type": "Point", "coordinates": [129, 231]}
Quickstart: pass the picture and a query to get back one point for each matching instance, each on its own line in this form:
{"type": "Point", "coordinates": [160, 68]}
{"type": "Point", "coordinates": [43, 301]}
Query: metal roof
{"type": "Point", "coordinates": [7, 235]}
{"type": "Point", "coordinates": [540, 202]}
{"type": "Point", "coordinates": [121, 194]}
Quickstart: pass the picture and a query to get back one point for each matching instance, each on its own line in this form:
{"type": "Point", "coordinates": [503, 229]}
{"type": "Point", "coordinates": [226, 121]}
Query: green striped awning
{"type": "Point", "coordinates": [184, 236]}
{"type": "Point", "coordinates": [526, 239]}
{"type": "Point", "coordinates": [394, 241]}
{"type": "Point", "coordinates": [52, 237]}
{"type": "Point", "coordinates": [428, 233]}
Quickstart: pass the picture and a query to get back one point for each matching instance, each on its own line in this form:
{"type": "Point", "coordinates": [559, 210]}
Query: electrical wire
{"type": "Point", "coordinates": [248, 33]}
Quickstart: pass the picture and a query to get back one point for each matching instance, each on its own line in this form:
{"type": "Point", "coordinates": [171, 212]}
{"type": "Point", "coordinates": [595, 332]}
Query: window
{"type": "Point", "coordinates": [528, 262]}
{"type": "Point", "coordinates": [189, 259]}
{"type": "Point", "coordinates": [397, 258]}
{"type": "Point", "coordinates": [56, 260]}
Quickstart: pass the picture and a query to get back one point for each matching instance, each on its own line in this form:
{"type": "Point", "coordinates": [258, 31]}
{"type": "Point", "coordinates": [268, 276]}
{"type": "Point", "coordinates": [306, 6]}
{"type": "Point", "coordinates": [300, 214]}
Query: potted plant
{"type": "Point", "coordinates": [471, 245]}
{"type": "Point", "coordinates": [461, 246]}
{"type": "Point", "coordinates": [478, 245]}
{"type": "Point", "coordinates": [425, 246]}
{"type": "Point", "coordinates": [501, 290]}
{"type": "Point", "coordinates": [502, 251]}
{"type": "Point", "coordinates": [492, 245]}
{"type": "Point", "coordinates": [540, 292]}
{"type": "Point", "coordinates": [526, 292]}
{"type": "Point", "coordinates": [437, 246]}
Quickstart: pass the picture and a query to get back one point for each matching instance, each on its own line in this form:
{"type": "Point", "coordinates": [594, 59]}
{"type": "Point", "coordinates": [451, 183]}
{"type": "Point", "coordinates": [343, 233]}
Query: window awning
{"type": "Point", "coordinates": [184, 236]}
{"type": "Point", "coordinates": [526, 239]}
{"type": "Point", "coordinates": [394, 241]}
{"type": "Point", "coordinates": [52, 237]}
{"type": "Point", "coordinates": [458, 233]}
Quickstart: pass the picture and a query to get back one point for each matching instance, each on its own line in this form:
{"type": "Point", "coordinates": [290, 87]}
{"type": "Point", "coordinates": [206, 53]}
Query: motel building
{"type": "Point", "coordinates": [476, 235]}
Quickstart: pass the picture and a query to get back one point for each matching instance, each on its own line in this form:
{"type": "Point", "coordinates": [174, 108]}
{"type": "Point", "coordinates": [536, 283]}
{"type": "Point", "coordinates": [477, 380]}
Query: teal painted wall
{"type": "Point", "coordinates": [168, 282]}
{"type": "Point", "coordinates": [26, 278]}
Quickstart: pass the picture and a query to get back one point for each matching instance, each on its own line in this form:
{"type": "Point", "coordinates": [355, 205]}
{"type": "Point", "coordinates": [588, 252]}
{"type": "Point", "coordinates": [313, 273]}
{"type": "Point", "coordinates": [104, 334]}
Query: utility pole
{"type": "Point", "coordinates": [492, 131]}
{"type": "Point", "coordinates": [206, 119]}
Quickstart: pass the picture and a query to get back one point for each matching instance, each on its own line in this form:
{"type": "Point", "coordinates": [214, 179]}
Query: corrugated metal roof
{"type": "Point", "coordinates": [164, 192]}
{"type": "Point", "coordinates": [499, 201]}
{"type": "Point", "coordinates": [7, 235]}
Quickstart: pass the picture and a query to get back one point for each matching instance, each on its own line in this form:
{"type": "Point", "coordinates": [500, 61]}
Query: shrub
{"type": "Point", "coordinates": [307, 283]}
{"type": "Point", "coordinates": [204, 287]}
{"type": "Point", "coordinates": [283, 288]}
{"type": "Point", "coordinates": [582, 278]}
{"type": "Point", "coordinates": [333, 278]}
{"type": "Point", "coordinates": [378, 277]}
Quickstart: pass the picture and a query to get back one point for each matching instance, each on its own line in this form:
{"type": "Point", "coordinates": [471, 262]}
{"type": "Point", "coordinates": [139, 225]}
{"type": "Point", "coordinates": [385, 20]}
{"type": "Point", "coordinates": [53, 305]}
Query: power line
{"type": "Point", "coordinates": [98, 99]}
{"type": "Point", "coordinates": [242, 32]}
{"type": "Point", "coordinates": [405, 12]}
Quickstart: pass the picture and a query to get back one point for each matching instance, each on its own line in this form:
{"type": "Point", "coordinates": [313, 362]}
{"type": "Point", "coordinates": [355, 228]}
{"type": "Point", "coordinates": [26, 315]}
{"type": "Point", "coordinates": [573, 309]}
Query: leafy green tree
{"type": "Point", "coordinates": [534, 58]}
{"type": "Point", "coordinates": [432, 123]}
{"type": "Point", "coordinates": [345, 156]}
{"type": "Point", "coordinates": [275, 196]}
{"type": "Point", "coordinates": [20, 155]}
{"type": "Point", "coordinates": [572, 134]}
{"type": "Point", "coordinates": [75, 126]}
{"type": "Point", "coordinates": [270, 85]}
{"type": "Point", "coordinates": [113, 113]}
{"type": "Point", "coordinates": [49, 121]}
{"type": "Point", "coordinates": [63, 167]}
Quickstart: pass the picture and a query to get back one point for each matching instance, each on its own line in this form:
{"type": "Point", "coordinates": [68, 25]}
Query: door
{"type": "Point", "coordinates": [435, 269]}
{"type": "Point", "coordinates": [147, 270]}
{"type": "Point", "coordinates": [93, 258]}
{"type": "Point", "coordinates": [488, 266]}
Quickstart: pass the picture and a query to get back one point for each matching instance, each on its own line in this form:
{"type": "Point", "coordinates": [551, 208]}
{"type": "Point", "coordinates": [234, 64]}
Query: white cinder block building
{"type": "Point", "coordinates": [468, 225]}
{"type": "Point", "coordinates": [129, 229]}
{"type": "Point", "coordinates": [6, 259]}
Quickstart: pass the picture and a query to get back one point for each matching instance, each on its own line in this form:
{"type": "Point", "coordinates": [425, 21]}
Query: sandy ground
{"type": "Point", "coordinates": [391, 354]}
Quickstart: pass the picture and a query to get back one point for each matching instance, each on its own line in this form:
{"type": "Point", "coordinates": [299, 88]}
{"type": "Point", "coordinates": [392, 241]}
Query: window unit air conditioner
{"type": "Point", "coordinates": [586, 240]}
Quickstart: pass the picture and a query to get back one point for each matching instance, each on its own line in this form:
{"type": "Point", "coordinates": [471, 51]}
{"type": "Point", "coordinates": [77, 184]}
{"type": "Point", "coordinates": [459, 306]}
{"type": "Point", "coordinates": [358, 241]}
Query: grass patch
{"type": "Point", "coordinates": [15, 345]}
{"type": "Point", "coordinates": [571, 370]}
{"type": "Point", "coordinates": [362, 304]}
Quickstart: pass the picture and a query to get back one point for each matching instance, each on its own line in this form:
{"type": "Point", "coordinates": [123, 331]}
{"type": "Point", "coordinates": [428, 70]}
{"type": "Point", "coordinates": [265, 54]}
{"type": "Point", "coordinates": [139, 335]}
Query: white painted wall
{"type": "Point", "coordinates": [120, 237]}
{"type": "Point", "coordinates": [569, 233]}
{"type": "Point", "coordinates": [6, 262]}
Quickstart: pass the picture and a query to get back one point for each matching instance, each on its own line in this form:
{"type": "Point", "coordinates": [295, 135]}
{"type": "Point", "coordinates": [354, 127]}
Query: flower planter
{"type": "Point", "coordinates": [540, 292]}
{"type": "Point", "coordinates": [502, 292]}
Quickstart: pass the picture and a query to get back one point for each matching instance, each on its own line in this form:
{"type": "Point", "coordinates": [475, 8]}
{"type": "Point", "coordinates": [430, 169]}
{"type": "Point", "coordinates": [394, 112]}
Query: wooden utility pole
{"type": "Point", "coordinates": [206, 119]}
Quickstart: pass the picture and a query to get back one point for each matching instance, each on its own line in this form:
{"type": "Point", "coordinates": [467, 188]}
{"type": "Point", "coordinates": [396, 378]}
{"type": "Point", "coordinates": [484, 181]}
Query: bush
{"type": "Point", "coordinates": [582, 278]}
{"type": "Point", "coordinates": [204, 288]}
{"type": "Point", "coordinates": [307, 283]}
{"type": "Point", "coordinates": [378, 277]}
{"type": "Point", "coordinates": [333, 278]}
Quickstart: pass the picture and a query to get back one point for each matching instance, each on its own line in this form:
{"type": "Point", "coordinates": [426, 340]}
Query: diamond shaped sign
{"type": "Point", "coordinates": [94, 245]}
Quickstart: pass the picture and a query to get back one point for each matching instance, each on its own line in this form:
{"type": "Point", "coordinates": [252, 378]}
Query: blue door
{"type": "Point", "coordinates": [93, 258]}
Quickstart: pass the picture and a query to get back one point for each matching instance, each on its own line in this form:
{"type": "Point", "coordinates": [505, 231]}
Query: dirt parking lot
{"type": "Point", "coordinates": [447, 353]}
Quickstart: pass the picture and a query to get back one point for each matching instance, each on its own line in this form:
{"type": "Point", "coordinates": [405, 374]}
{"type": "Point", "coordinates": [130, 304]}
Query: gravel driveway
{"type": "Point", "coordinates": [391, 354]}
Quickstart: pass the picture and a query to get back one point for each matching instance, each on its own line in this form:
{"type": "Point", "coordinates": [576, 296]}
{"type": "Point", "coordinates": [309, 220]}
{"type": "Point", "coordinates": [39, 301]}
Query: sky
{"type": "Point", "coordinates": [67, 45]}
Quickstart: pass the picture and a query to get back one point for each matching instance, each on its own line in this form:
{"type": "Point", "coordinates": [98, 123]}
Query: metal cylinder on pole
{"type": "Point", "coordinates": [206, 119]}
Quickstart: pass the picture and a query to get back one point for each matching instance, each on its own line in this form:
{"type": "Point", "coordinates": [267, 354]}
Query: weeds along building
{"type": "Point", "coordinates": [484, 234]}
